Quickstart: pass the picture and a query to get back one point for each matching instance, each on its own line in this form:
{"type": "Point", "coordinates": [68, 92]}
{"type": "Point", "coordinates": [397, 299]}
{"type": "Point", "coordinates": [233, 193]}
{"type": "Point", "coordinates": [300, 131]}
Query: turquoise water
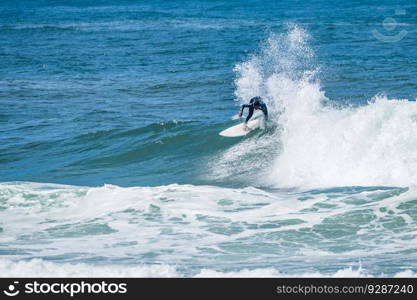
{"type": "Point", "coordinates": [111, 162]}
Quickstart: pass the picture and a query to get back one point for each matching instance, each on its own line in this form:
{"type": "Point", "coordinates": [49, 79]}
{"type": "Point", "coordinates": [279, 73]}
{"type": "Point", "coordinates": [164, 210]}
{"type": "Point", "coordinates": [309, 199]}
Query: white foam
{"type": "Point", "coordinates": [264, 272]}
{"type": "Point", "coordinates": [366, 146]}
{"type": "Point", "coordinates": [406, 273]}
{"type": "Point", "coordinates": [187, 224]}
{"type": "Point", "coordinates": [41, 268]}
{"type": "Point", "coordinates": [271, 272]}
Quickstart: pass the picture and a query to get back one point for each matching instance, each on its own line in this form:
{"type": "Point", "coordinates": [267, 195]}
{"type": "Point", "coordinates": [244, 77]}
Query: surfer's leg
{"type": "Point", "coordinates": [262, 123]}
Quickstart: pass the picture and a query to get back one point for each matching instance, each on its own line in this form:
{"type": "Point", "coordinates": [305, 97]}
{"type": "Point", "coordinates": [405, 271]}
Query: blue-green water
{"type": "Point", "coordinates": [111, 162]}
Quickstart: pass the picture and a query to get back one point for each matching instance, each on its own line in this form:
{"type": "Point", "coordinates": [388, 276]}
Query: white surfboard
{"type": "Point", "coordinates": [239, 130]}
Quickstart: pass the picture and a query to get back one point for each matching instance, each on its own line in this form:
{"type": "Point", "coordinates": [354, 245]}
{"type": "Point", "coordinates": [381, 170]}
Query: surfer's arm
{"type": "Point", "coordinates": [243, 107]}
{"type": "Point", "coordinates": [251, 109]}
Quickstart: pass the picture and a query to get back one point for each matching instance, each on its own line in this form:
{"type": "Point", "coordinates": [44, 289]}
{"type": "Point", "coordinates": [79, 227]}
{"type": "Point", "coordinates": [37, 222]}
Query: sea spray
{"type": "Point", "coordinates": [317, 143]}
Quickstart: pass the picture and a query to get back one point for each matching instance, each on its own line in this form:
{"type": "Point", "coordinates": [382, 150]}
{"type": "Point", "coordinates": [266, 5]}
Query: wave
{"type": "Point", "coordinates": [41, 268]}
{"type": "Point", "coordinates": [213, 228]}
{"type": "Point", "coordinates": [169, 142]}
{"type": "Point", "coordinates": [155, 148]}
{"type": "Point", "coordinates": [272, 272]}
{"type": "Point", "coordinates": [370, 145]}
{"type": "Point", "coordinates": [318, 142]}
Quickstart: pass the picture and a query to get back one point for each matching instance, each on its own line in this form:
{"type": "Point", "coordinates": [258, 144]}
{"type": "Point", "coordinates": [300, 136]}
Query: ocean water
{"type": "Point", "coordinates": [110, 158]}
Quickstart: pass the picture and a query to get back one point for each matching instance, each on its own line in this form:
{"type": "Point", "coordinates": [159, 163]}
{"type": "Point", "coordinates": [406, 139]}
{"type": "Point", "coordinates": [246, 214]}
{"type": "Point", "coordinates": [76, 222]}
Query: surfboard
{"type": "Point", "coordinates": [239, 130]}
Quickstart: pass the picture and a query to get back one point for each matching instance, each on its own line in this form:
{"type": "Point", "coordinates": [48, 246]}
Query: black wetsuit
{"type": "Point", "coordinates": [256, 101]}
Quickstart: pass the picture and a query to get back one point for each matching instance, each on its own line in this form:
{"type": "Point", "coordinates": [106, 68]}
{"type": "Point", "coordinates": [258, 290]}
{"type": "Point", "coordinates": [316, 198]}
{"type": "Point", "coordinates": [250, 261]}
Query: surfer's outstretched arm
{"type": "Point", "coordinates": [250, 106]}
{"type": "Point", "coordinates": [243, 107]}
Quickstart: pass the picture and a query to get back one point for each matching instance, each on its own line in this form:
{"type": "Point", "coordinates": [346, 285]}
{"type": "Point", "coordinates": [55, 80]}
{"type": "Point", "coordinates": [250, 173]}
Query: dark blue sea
{"type": "Point", "coordinates": [111, 162]}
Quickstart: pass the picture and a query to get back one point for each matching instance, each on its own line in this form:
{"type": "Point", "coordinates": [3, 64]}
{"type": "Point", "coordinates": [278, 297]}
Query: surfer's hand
{"type": "Point", "coordinates": [240, 114]}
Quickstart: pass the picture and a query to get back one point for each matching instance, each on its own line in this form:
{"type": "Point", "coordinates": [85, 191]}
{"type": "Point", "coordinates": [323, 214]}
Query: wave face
{"type": "Point", "coordinates": [186, 230]}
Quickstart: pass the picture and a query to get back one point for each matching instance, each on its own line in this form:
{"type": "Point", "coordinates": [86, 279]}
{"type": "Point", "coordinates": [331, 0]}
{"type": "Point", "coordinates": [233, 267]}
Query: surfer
{"type": "Point", "coordinates": [254, 103]}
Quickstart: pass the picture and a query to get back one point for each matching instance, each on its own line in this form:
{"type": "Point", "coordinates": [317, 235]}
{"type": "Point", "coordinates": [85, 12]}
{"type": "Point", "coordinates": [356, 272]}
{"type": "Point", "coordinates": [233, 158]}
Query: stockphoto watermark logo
{"type": "Point", "coordinates": [12, 290]}
{"type": "Point", "coordinates": [390, 25]}
{"type": "Point", "coordinates": [67, 288]}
